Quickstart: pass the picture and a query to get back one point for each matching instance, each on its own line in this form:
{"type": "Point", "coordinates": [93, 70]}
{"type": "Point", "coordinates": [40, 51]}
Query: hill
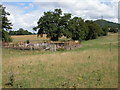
{"type": "Point", "coordinates": [105, 23]}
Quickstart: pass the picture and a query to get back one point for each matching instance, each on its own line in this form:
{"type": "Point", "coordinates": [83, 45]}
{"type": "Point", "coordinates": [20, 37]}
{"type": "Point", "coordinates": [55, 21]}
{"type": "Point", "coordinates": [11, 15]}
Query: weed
{"type": "Point", "coordinates": [11, 80]}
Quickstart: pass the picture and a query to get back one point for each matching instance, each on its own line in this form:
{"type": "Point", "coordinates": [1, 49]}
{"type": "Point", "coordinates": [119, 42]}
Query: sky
{"type": "Point", "coordinates": [25, 14]}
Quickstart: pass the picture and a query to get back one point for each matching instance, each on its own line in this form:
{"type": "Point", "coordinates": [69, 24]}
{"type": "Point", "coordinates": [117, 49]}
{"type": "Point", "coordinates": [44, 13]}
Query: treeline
{"type": "Point", "coordinates": [21, 31]}
{"type": "Point", "coordinates": [55, 24]}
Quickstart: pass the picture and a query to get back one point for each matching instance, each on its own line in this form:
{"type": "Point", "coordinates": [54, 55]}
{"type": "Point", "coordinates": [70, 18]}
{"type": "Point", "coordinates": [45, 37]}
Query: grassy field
{"type": "Point", "coordinates": [94, 65]}
{"type": "Point", "coordinates": [32, 38]}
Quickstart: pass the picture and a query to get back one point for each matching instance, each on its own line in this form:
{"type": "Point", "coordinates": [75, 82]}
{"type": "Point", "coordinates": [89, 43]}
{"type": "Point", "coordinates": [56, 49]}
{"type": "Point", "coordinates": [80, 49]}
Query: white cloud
{"type": "Point", "coordinates": [30, 5]}
{"type": "Point", "coordinates": [87, 9]}
{"type": "Point", "coordinates": [20, 19]}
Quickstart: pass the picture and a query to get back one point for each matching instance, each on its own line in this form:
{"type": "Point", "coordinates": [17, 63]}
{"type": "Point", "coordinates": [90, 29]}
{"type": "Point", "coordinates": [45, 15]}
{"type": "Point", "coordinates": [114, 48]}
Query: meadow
{"type": "Point", "coordinates": [94, 65]}
{"type": "Point", "coordinates": [33, 38]}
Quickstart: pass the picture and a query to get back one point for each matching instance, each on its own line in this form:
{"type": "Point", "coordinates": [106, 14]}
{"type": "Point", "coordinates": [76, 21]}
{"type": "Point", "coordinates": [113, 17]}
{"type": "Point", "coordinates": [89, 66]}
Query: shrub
{"type": "Point", "coordinates": [6, 37]}
{"type": "Point", "coordinates": [114, 30]}
{"type": "Point", "coordinates": [27, 41]}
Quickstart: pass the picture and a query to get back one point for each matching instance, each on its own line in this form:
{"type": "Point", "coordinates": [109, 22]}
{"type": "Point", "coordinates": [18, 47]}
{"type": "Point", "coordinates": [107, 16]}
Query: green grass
{"type": "Point", "coordinates": [91, 66]}
{"type": "Point", "coordinates": [0, 67]}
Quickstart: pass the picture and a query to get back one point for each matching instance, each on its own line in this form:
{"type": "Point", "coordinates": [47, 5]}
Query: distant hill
{"type": "Point", "coordinates": [105, 23]}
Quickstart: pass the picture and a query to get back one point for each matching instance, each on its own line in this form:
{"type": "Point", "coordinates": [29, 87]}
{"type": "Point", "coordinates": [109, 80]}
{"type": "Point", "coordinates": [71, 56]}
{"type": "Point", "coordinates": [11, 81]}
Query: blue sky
{"type": "Point", "coordinates": [25, 6]}
{"type": "Point", "coordinates": [26, 14]}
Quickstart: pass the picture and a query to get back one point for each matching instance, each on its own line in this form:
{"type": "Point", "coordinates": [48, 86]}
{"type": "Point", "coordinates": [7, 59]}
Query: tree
{"type": "Point", "coordinates": [51, 24]}
{"type": "Point", "coordinates": [77, 29]}
{"type": "Point", "coordinates": [65, 24]}
{"type": "Point", "coordinates": [5, 36]}
{"type": "Point", "coordinates": [94, 30]}
{"type": "Point", "coordinates": [114, 30]}
{"type": "Point", "coordinates": [6, 25]}
{"type": "Point", "coordinates": [21, 31]}
{"type": "Point", "coordinates": [105, 31]}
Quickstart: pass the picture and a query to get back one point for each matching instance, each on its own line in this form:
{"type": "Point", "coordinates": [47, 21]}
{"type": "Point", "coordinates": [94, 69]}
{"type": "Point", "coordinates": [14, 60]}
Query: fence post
{"type": "Point", "coordinates": [53, 47]}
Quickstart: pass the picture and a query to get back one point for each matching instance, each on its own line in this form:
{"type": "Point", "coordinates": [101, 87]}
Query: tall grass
{"type": "Point", "coordinates": [91, 66]}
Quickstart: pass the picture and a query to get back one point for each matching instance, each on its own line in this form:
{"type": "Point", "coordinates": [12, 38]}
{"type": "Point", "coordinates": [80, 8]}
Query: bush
{"type": "Point", "coordinates": [27, 41]}
{"type": "Point", "coordinates": [105, 31]}
{"type": "Point", "coordinates": [114, 30]}
{"type": "Point", "coordinates": [6, 37]}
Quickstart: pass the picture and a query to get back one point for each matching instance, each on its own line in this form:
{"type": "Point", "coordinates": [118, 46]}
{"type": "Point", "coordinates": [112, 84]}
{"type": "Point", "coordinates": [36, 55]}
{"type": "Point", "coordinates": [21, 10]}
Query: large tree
{"type": "Point", "coordinates": [53, 24]}
{"type": "Point", "coordinates": [5, 24]}
{"type": "Point", "coordinates": [94, 30]}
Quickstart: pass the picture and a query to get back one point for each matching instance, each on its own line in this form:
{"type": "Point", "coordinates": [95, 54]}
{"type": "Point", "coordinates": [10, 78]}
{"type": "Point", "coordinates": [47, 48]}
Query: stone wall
{"type": "Point", "coordinates": [52, 46]}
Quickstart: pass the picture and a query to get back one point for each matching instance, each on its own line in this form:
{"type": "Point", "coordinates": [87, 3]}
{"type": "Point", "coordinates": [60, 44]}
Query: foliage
{"type": "Point", "coordinates": [114, 30]}
{"type": "Point", "coordinates": [6, 25]}
{"type": "Point", "coordinates": [55, 25]}
{"type": "Point", "coordinates": [21, 31]}
{"type": "Point", "coordinates": [94, 30]}
{"type": "Point", "coordinates": [27, 41]}
{"type": "Point", "coordinates": [6, 37]}
{"type": "Point", "coordinates": [50, 24]}
{"type": "Point", "coordinates": [77, 29]}
{"type": "Point", "coordinates": [65, 24]}
{"type": "Point", "coordinates": [105, 31]}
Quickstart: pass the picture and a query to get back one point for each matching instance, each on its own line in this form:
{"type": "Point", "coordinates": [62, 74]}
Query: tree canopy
{"type": "Point", "coordinates": [77, 29]}
{"type": "Point", "coordinates": [94, 30]}
{"type": "Point", "coordinates": [50, 24]}
{"type": "Point", "coordinates": [55, 24]}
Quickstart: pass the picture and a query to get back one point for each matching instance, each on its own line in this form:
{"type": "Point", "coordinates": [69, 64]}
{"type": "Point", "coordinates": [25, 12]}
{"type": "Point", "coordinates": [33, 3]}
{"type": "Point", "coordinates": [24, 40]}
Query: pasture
{"type": "Point", "coordinates": [94, 65]}
{"type": "Point", "coordinates": [32, 38]}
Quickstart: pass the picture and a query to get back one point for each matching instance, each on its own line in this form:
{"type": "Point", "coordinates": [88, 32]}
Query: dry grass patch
{"type": "Point", "coordinates": [92, 66]}
{"type": "Point", "coordinates": [67, 65]}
